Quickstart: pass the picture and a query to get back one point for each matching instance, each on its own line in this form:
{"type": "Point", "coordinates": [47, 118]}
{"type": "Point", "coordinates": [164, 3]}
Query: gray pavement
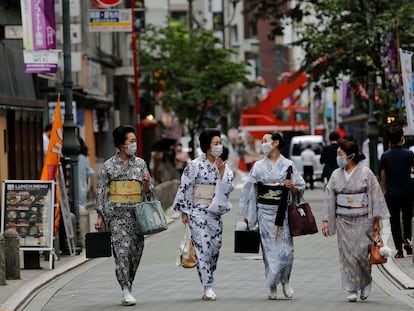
{"type": "Point", "coordinates": [80, 284]}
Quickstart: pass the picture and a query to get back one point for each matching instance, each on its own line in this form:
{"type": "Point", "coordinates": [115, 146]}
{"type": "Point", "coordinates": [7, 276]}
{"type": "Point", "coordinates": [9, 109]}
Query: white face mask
{"type": "Point", "coordinates": [131, 149]}
{"type": "Point", "coordinates": [216, 150]}
{"type": "Point", "coordinates": [267, 148]}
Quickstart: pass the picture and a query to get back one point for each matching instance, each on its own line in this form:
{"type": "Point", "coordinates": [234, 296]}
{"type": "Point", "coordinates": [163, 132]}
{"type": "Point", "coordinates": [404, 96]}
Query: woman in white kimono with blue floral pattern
{"type": "Point", "coordinates": [199, 183]}
{"type": "Point", "coordinates": [259, 203]}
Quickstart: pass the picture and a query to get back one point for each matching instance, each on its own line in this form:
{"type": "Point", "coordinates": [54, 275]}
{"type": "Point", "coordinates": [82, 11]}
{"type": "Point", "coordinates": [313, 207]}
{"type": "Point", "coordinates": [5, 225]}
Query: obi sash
{"type": "Point", "coordinates": [203, 194]}
{"type": "Point", "coordinates": [351, 200]}
{"type": "Point", "coordinates": [269, 194]}
{"type": "Point", "coordinates": [125, 191]}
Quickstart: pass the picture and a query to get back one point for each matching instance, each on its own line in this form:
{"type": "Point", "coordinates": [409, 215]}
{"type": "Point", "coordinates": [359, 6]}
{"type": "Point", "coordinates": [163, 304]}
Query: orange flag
{"type": "Point", "coordinates": [54, 151]}
{"type": "Point", "coordinates": [51, 163]}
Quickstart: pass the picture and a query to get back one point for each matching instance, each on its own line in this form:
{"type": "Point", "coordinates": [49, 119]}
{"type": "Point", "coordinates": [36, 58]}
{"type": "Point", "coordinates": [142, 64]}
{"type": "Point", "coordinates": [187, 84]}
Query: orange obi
{"type": "Point", "coordinates": [125, 191]}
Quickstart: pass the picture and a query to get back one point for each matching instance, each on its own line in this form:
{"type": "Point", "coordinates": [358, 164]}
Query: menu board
{"type": "Point", "coordinates": [28, 208]}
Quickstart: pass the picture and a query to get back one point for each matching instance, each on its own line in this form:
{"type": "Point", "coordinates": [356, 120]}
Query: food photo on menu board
{"type": "Point", "coordinates": [28, 209]}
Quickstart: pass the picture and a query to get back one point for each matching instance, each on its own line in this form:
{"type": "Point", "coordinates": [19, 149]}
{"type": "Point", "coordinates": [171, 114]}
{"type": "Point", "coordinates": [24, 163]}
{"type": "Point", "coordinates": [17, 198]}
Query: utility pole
{"type": "Point", "coordinates": [136, 83]}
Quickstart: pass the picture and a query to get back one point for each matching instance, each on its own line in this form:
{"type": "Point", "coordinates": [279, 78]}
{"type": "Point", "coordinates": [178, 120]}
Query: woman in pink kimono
{"type": "Point", "coordinates": [353, 207]}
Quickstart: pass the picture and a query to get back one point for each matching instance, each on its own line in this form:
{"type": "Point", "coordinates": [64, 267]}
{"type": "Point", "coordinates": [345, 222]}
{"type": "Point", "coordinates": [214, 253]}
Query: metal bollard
{"type": "Point", "coordinates": [12, 254]}
{"type": "Point", "coordinates": [2, 260]}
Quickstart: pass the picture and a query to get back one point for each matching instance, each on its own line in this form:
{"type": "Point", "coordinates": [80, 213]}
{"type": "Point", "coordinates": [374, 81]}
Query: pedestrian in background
{"type": "Point", "coordinates": [119, 189]}
{"type": "Point", "coordinates": [259, 202]}
{"type": "Point", "coordinates": [181, 158]}
{"type": "Point", "coordinates": [328, 157]}
{"type": "Point", "coordinates": [353, 208]}
{"type": "Point", "coordinates": [194, 195]}
{"type": "Point", "coordinates": [396, 165]}
{"type": "Point", "coordinates": [308, 161]}
{"type": "Point", "coordinates": [46, 137]}
{"type": "Point", "coordinates": [84, 173]}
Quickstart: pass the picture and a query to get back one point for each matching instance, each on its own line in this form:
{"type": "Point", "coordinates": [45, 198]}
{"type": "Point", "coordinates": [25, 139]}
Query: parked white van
{"type": "Point", "coordinates": [298, 144]}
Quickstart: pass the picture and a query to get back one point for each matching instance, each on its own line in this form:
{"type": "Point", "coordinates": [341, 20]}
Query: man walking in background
{"type": "Point", "coordinates": [396, 184]}
{"type": "Point", "coordinates": [308, 160]}
{"type": "Point", "coordinates": [328, 157]}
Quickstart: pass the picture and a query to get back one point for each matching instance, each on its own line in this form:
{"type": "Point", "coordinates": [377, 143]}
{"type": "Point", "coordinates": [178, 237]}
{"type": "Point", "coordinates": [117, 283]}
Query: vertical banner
{"type": "Point", "coordinates": [39, 36]}
{"type": "Point", "coordinates": [39, 25]}
{"type": "Point", "coordinates": [406, 72]}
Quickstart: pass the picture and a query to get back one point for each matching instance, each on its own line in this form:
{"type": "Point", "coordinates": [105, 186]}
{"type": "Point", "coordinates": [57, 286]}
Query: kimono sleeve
{"type": "Point", "coordinates": [248, 199]}
{"type": "Point", "coordinates": [376, 198]}
{"type": "Point", "coordinates": [183, 201]}
{"type": "Point", "coordinates": [329, 205]}
{"type": "Point", "coordinates": [224, 187]}
{"type": "Point", "coordinates": [101, 200]}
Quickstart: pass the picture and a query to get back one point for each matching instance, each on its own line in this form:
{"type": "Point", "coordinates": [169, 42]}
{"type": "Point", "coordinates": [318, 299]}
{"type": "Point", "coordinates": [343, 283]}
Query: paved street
{"type": "Point", "coordinates": [239, 284]}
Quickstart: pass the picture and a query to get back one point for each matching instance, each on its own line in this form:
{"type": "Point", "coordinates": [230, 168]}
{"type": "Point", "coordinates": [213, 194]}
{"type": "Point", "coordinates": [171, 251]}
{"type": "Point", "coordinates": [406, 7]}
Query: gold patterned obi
{"type": "Point", "coordinates": [269, 194]}
{"type": "Point", "coordinates": [125, 191]}
{"type": "Point", "coordinates": [352, 200]}
{"type": "Point", "coordinates": [203, 194]}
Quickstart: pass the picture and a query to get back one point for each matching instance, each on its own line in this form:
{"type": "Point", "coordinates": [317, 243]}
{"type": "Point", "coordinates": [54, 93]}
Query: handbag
{"type": "Point", "coordinates": [186, 255]}
{"type": "Point", "coordinates": [98, 244]}
{"type": "Point", "coordinates": [301, 219]}
{"type": "Point", "coordinates": [245, 240]}
{"type": "Point", "coordinates": [150, 217]}
{"type": "Point", "coordinates": [375, 257]}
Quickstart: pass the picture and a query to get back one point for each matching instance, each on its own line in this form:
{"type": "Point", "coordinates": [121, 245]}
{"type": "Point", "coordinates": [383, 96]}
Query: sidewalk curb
{"type": "Point", "coordinates": [397, 275]}
{"type": "Point", "coordinates": [17, 299]}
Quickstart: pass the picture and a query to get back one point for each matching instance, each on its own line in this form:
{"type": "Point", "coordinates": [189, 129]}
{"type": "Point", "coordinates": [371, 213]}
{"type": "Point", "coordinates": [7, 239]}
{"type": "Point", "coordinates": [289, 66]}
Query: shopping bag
{"type": "Point", "coordinates": [98, 244]}
{"type": "Point", "coordinates": [150, 217]}
{"type": "Point", "coordinates": [186, 255]}
{"type": "Point", "coordinates": [301, 219]}
{"type": "Point", "coordinates": [375, 257]}
{"type": "Point", "coordinates": [245, 240]}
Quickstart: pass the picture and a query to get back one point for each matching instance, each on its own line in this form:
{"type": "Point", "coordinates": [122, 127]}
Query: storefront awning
{"type": "Point", "coordinates": [90, 101]}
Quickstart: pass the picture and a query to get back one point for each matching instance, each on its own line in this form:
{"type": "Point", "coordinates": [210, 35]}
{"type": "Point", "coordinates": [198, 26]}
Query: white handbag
{"type": "Point", "coordinates": [186, 256]}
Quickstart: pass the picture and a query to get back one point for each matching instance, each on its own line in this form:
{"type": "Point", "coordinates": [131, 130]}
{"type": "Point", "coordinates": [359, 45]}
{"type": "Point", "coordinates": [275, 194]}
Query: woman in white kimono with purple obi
{"type": "Point", "coordinates": [353, 207]}
{"type": "Point", "coordinates": [259, 203]}
{"type": "Point", "coordinates": [202, 198]}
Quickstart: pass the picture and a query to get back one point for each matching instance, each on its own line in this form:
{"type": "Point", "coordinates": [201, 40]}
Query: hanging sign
{"type": "Point", "coordinates": [110, 20]}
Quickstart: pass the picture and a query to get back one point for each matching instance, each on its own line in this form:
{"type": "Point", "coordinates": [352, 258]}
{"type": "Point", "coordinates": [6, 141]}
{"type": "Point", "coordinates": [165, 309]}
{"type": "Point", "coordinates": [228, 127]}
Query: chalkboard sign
{"type": "Point", "coordinates": [28, 208]}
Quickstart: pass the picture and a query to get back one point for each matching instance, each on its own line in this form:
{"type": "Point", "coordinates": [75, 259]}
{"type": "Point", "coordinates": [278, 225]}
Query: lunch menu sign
{"type": "Point", "coordinates": [28, 208]}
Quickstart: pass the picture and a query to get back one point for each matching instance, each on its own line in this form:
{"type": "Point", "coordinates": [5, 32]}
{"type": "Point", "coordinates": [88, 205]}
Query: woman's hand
{"type": "Point", "coordinates": [325, 228]}
{"type": "Point", "coordinates": [146, 180]}
{"type": "Point", "coordinates": [184, 218]}
{"type": "Point", "coordinates": [377, 228]}
{"type": "Point", "coordinates": [221, 165]}
{"type": "Point", "coordinates": [99, 221]}
{"type": "Point", "coordinates": [289, 184]}
{"type": "Point", "coordinates": [147, 177]}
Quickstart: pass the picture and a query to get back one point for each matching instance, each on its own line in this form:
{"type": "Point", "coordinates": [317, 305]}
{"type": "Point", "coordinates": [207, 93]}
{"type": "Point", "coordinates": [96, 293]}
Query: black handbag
{"type": "Point", "coordinates": [246, 241]}
{"type": "Point", "coordinates": [98, 244]}
{"type": "Point", "coordinates": [301, 219]}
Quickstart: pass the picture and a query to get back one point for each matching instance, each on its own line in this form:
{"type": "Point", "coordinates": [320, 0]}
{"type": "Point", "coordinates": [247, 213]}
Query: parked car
{"type": "Point", "coordinates": [298, 144]}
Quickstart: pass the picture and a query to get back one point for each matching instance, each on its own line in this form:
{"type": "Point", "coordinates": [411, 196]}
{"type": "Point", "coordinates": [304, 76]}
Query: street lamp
{"type": "Point", "coordinates": [71, 145]}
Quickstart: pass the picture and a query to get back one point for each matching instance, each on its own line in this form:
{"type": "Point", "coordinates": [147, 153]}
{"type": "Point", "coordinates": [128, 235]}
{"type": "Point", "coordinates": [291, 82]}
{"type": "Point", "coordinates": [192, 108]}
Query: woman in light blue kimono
{"type": "Point", "coordinates": [203, 180]}
{"type": "Point", "coordinates": [259, 203]}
